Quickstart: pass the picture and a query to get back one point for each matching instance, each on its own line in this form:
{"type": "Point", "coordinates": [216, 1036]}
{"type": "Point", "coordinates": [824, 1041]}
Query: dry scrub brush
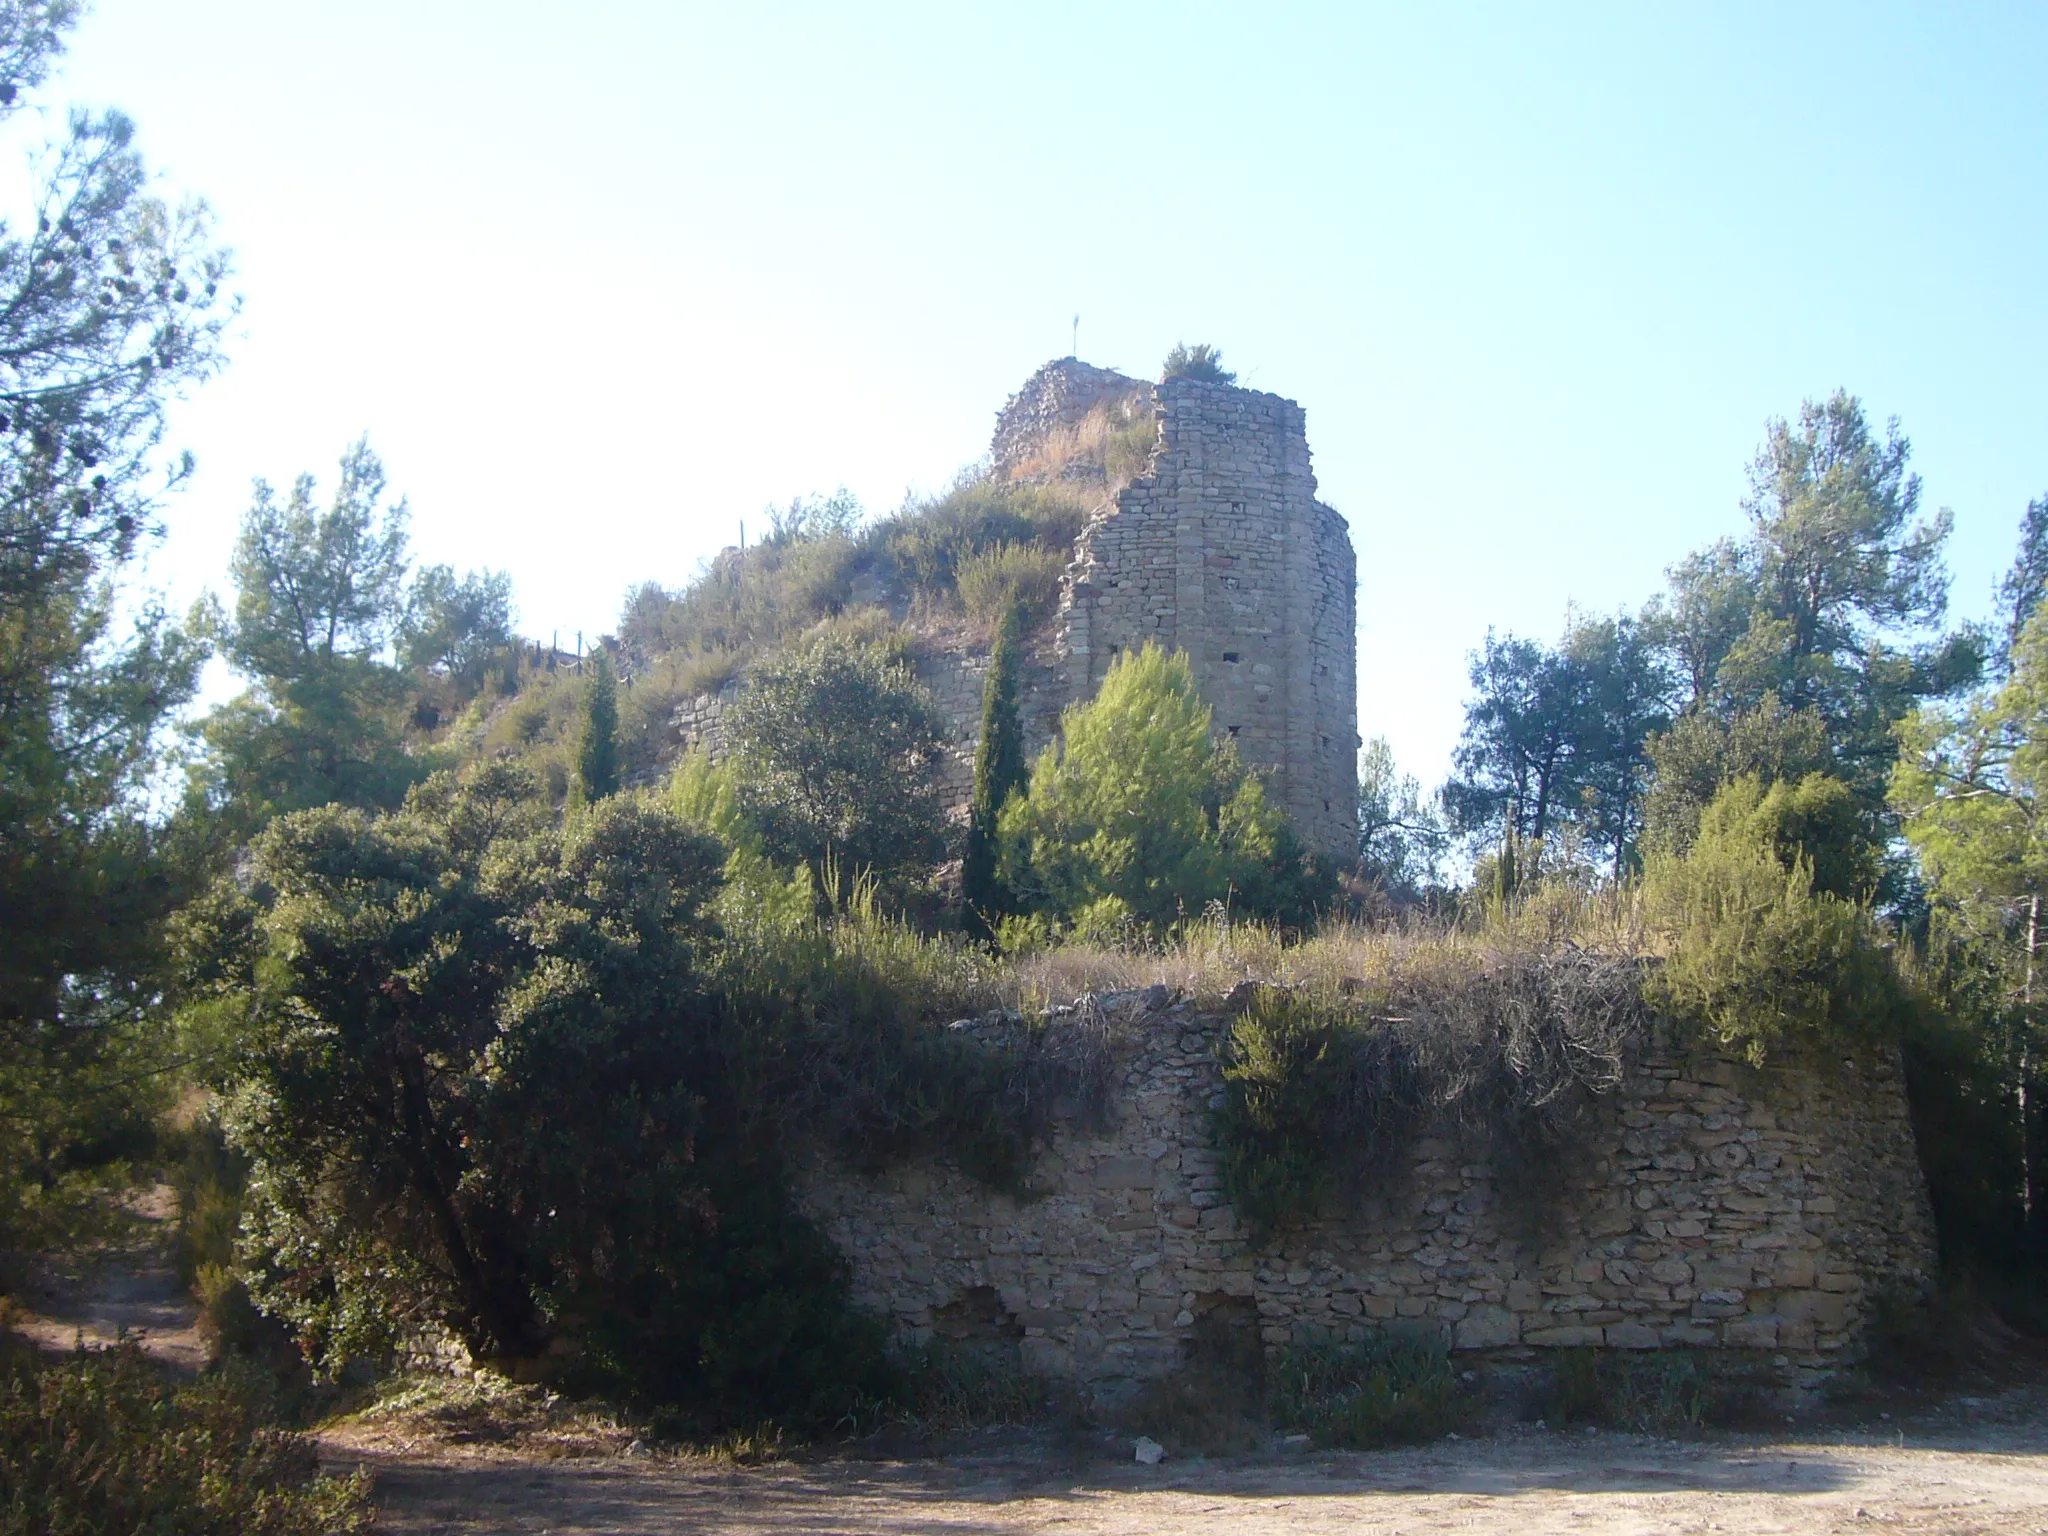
{"type": "Point", "coordinates": [1503, 1036]}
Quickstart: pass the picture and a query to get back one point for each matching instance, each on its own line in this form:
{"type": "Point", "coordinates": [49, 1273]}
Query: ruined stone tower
{"type": "Point", "coordinates": [1209, 539]}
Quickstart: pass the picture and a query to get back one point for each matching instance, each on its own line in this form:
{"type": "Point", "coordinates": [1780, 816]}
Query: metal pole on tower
{"type": "Point", "coordinates": [1076, 352]}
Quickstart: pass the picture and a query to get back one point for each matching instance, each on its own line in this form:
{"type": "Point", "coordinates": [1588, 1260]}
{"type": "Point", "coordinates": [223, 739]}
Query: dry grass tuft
{"type": "Point", "coordinates": [1205, 958]}
{"type": "Point", "coordinates": [1115, 441]}
{"type": "Point", "coordinates": [487, 1411]}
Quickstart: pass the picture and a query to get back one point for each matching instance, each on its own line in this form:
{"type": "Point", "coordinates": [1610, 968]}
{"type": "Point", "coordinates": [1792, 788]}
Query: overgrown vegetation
{"type": "Point", "coordinates": [836, 744]}
{"type": "Point", "coordinates": [1501, 1039]}
{"type": "Point", "coordinates": [983, 544]}
{"type": "Point", "coordinates": [1392, 1389]}
{"type": "Point", "coordinates": [107, 1441]}
{"type": "Point", "coordinates": [1663, 1392]}
{"type": "Point", "coordinates": [1201, 361]}
{"type": "Point", "coordinates": [474, 1045]}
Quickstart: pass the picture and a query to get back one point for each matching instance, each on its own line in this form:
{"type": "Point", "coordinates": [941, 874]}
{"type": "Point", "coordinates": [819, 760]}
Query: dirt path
{"type": "Point", "coordinates": [1989, 1476]}
{"type": "Point", "coordinates": [132, 1288]}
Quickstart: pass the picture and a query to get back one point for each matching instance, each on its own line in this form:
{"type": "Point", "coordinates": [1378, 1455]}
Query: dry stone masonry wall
{"type": "Point", "coordinates": [1710, 1205]}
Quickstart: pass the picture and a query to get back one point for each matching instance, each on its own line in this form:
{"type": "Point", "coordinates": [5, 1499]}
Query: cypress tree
{"type": "Point", "coordinates": [597, 756]}
{"type": "Point", "coordinates": [999, 771]}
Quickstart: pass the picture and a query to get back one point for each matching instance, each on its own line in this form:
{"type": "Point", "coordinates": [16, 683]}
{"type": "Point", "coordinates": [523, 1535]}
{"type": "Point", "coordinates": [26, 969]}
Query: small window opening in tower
{"type": "Point", "coordinates": [1233, 733]}
{"type": "Point", "coordinates": [1231, 657]}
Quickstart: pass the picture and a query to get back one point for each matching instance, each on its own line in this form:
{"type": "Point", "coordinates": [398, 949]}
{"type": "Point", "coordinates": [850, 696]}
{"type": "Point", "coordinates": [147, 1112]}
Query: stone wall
{"type": "Point", "coordinates": [1709, 1205]}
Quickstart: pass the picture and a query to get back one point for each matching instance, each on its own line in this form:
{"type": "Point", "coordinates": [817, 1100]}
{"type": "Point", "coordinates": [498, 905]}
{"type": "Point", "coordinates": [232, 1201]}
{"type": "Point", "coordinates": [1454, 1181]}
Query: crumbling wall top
{"type": "Point", "coordinates": [1053, 402]}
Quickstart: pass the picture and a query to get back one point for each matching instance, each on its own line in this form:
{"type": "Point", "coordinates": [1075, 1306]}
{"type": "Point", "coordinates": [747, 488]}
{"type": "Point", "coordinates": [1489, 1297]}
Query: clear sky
{"type": "Point", "coordinates": [602, 280]}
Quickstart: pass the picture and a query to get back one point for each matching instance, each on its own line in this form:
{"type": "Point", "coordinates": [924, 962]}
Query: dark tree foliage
{"type": "Point", "coordinates": [597, 753]}
{"type": "Point", "coordinates": [999, 772]}
{"type": "Point", "coordinates": [1837, 565]}
{"type": "Point", "coordinates": [457, 625]}
{"type": "Point", "coordinates": [2025, 584]}
{"type": "Point", "coordinates": [837, 742]}
{"type": "Point", "coordinates": [1555, 736]}
{"type": "Point", "coordinates": [110, 308]}
{"type": "Point", "coordinates": [483, 1083]}
{"type": "Point", "coordinates": [319, 596]}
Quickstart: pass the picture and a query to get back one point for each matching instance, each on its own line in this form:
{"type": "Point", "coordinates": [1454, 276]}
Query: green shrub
{"type": "Point", "coordinates": [1201, 361]}
{"type": "Point", "coordinates": [1138, 813]}
{"type": "Point", "coordinates": [1023, 578]}
{"type": "Point", "coordinates": [1757, 954]}
{"type": "Point", "coordinates": [1393, 1389]}
{"type": "Point", "coordinates": [836, 744]}
{"type": "Point", "coordinates": [104, 1441]}
{"type": "Point", "coordinates": [1287, 1083]}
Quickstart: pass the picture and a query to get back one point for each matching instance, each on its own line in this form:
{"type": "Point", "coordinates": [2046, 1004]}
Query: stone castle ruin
{"type": "Point", "coordinates": [1208, 539]}
{"type": "Point", "coordinates": [1705, 1205]}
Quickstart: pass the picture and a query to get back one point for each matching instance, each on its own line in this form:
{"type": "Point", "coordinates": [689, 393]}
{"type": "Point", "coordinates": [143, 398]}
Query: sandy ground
{"type": "Point", "coordinates": [1526, 1485]}
{"type": "Point", "coordinates": [1982, 1468]}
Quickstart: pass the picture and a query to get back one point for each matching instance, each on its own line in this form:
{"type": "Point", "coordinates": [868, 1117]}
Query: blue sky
{"type": "Point", "coordinates": [600, 281]}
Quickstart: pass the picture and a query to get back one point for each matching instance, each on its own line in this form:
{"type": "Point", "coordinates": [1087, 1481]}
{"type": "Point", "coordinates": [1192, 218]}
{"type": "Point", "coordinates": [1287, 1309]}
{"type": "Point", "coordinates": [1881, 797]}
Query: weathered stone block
{"type": "Point", "coordinates": [1487, 1328]}
{"type": "Point", "coordinates": [1124, 1173]}
{"type": "Point", "coordinates": [1721, 1274]}
{"type": "Point", "coordinates": [1757, 1332]}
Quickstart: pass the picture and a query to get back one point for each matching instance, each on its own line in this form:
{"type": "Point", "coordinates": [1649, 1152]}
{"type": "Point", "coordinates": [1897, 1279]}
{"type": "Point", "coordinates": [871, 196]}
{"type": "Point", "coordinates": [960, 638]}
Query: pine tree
{"type": "Point", "coordinates": [999, 770]}
{"type": "Point", "coordinates": [597, 757]}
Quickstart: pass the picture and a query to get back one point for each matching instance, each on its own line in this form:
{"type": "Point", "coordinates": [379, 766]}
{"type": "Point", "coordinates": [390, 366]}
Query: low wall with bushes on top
{"type": "Point", "coordinates": [1701, 1203]}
